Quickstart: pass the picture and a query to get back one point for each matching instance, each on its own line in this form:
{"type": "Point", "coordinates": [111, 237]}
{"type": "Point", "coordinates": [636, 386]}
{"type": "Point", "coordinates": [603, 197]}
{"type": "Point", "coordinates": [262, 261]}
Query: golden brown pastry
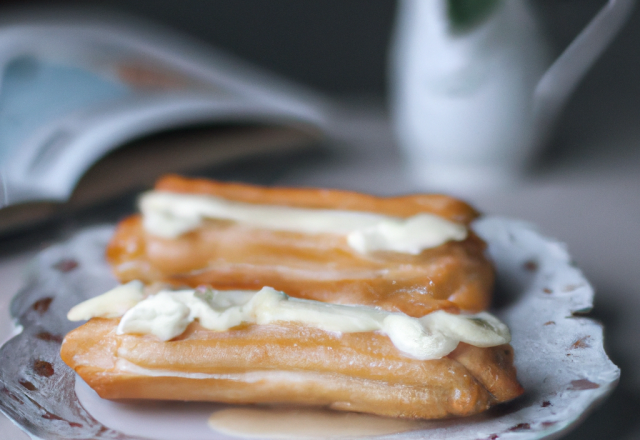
{"type": "Point", "coordinates": [454, 276]}
{"type": "Point", "coordinates": [288, 363]}
{"type": "Point", "coordinates": [254, 360]}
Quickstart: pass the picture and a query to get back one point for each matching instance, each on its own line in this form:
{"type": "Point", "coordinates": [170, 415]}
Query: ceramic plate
{"type": "Point", "coordinates": [541, 295]}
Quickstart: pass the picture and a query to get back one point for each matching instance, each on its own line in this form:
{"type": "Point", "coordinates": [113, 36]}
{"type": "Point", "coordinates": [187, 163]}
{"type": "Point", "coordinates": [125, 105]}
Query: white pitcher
{"type": "Point", "coordinates": [472, 105]}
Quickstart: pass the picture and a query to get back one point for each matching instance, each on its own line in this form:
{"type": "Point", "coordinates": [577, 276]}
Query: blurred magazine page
{"type": "Point", "coordinates": [75, 89]}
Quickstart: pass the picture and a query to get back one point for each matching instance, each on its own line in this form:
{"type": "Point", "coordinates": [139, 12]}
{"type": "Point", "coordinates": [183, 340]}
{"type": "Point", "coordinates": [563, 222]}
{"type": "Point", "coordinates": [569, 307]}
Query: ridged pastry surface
{"type": "Point", "coordinates": [289, 363]}
{"type": "Point", "coordinates": [226, 255]}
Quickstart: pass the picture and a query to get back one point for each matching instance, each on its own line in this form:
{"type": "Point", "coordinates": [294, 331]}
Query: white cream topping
{"type": "Point", "coordinates": [112, 304]}
{"type": "Point", "coordinates": [168, 313]}
{"type": "Point", "coordinates": [169, 215]}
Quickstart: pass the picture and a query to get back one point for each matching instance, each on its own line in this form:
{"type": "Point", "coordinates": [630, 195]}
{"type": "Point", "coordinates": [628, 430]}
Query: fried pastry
{"type": "Point", "coordinates": [272, 356]}
{"type": "Point", "coordinates": [454, 275]}
{"type": "Point", "coordinates": [375, 304]}
{"type": "Point", "coordinates": [255, 364]}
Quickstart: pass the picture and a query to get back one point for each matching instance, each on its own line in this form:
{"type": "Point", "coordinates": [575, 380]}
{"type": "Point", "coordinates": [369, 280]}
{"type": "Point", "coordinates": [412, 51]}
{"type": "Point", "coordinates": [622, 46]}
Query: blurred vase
{"type": "Point", "coordinates": [473, 91]}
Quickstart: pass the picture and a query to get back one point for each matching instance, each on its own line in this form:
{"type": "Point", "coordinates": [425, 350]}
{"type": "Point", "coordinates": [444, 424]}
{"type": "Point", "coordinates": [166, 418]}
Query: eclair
{"type": "Point", "coordinates": [326, 245]}
{"type": "Point", "coordinates": [243, 294]}
{"type": "Point", "coordinates": [266, 347]}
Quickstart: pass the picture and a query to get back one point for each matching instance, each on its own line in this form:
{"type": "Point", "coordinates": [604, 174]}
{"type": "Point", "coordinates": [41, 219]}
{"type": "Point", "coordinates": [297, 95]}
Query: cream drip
{"type": "Point", "coordinates": [306, 423]}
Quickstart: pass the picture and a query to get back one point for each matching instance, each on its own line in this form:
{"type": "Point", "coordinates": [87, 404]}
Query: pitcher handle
{"type": "Point", "coordinates": [561, 79]}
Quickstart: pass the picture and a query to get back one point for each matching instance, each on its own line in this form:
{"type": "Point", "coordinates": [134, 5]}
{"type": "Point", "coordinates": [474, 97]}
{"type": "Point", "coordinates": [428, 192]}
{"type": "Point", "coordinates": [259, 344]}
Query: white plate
{"type": "Point", "coordinates": [559, 354]}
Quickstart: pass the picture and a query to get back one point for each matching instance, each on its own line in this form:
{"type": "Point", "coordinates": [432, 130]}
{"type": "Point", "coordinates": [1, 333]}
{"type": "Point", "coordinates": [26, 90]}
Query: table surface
{"type": "Point", "coordinates": [590, 199]}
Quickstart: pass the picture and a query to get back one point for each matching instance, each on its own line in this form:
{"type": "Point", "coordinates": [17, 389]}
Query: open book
{"type": "Point", "coordinates": [75, 90]}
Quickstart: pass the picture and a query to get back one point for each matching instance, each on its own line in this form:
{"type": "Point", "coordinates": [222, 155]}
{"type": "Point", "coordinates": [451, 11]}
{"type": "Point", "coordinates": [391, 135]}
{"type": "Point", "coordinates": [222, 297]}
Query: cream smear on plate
{"type": "Point", "coordinates": [305, 423]}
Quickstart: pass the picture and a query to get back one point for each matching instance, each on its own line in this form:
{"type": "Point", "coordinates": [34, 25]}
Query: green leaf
{"type": "Point", "coordinates": [464, 15]}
